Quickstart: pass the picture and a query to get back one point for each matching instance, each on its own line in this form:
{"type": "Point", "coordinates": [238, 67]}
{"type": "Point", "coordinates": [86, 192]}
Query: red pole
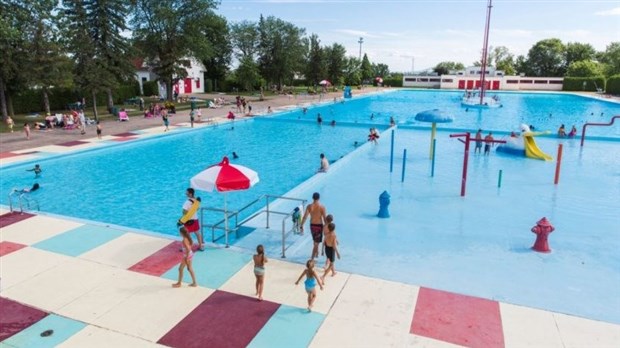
{"type": "Point", "coordinates": [465, 158]}
{"type": "Point", "coordinates": [557, 165]}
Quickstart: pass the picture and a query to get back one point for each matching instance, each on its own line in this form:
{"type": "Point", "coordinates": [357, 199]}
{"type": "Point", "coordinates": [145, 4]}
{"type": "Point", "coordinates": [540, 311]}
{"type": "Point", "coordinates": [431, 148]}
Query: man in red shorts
{"type": "Point", "coordinates": [193, 224]}
{"type": "Point", "coordinates": [317, 218]}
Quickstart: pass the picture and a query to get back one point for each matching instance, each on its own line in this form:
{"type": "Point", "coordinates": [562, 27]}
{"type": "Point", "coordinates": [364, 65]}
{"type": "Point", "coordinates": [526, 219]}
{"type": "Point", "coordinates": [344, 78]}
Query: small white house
{"type": "Point", "coordinates": [192, 83]}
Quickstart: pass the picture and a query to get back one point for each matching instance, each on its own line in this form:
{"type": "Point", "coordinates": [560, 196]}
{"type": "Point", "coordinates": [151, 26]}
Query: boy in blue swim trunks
{"type": "Point", "coordinates": [317, 219]}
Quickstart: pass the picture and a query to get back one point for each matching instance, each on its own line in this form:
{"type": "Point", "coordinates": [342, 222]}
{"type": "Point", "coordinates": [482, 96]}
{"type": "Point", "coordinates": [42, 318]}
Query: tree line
{"type": "Point", "coordinates": [89, 45]}
{"type": "Point", "coordinates": [550, 58]}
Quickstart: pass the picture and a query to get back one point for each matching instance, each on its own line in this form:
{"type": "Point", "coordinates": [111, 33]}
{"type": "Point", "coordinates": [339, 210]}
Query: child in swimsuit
{"type": "Point", "coordinates": [331, 250]}
{"type": "Point", "coordinates": [310, 283]}
{"type": "Point", "coordinates": [186, 259]}
{"type": "Point", "coordinates": [259, 270]}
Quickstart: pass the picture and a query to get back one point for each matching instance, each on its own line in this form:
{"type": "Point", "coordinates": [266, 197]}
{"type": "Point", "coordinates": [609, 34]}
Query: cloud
{"type": "Point", "coordinates": [612, 12]}
{"type": "Point", "coordinates": [354, 32]}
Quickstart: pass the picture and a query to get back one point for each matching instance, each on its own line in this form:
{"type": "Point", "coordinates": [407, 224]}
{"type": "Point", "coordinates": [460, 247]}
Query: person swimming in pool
{"type": "Point", "coordinates": [37, 170]}
{"type": "Point", "coordinates": [34, 187]}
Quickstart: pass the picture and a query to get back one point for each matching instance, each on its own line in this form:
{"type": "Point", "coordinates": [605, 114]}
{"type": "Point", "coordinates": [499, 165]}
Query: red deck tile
{"type": "Point", "coordinates": [124, 135]}
{"type": "Point", "coordinates": [13, 217]}
{"type": "Point", "coordinates": [16, 317]}
{"type": "Point", "coordinates": [9, 247]}
{"type": "Point", "coordinates": [73, 143]}
{"type": "Point", "coordinates": [160, 262]}
{"type": "Point", "coordinates": [458, 319]}
{"type": "Point", "coordinates": [239, 317]}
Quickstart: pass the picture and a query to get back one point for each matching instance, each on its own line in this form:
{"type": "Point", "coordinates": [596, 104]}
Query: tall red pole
{"type": "Point", "coordinates": [557, 165]}
{"type": "Point", "coordinates": [465, 159]}
{"type": "Point", "coordinates": [485, 47]}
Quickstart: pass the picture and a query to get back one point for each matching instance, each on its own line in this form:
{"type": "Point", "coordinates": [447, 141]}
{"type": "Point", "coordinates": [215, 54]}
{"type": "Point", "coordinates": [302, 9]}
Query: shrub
{"type": "Point", "coordinates": [150, 88]}
{"type": "Point", "coordinates": [613, 85]}
{"type": "Point", "coordinates": [583, 83]}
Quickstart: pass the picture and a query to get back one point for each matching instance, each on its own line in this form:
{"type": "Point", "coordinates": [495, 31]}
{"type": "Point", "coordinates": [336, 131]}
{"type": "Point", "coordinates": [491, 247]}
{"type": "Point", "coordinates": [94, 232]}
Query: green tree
{"type": "Point", "coordinates": [611, 59]}
{"type": "Point", "coordinates": [244, 38]}
{"type": "Point", "coordinates": [315, 68]}
{"type": "Point", "coordinates": [576, 52]}
{"type": "Point", "coordinates": [380, 70]}
{"type": "Point", "coordinates": [169, 32]}
{"type": "Point", "coordinates": [366, 70]}
{"type": "Point", "coordinates": [335, 56]}
{"type": "Point", "coordinates": [547, 58]}
{"type": "Point", "coordinates": [219, 36]}
{"type": "Point", "coordinates": [18, 26]}
{"type": "Point", "coordinates": [501, 58]}
{"type": "Point", "coordinates": [281, 50]}
{"type": "Point", "coordinates": [585, 68]}
{"type": "Point", "coordinates": [352, 74]}
{"type": "Point", "coordinates": [93, 30]}
{"type": "Point", "coordinates": [247, 74]}
{"type": "Point", "coordinates": [444, 68]}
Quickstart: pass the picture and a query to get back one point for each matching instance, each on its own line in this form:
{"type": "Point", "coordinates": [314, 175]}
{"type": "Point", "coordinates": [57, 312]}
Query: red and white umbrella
{"type": "Point", "coordinates": [324, 83]}
{"type": "Point", "coordinates": [224, 177]}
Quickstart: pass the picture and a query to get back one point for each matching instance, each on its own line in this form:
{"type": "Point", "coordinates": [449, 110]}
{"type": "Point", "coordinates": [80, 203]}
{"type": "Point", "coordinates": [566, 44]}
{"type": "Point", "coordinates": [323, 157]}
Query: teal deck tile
{"type": "Point", "coordinates": [79, 240]}
{"type": "Point", "coordinates": [63, 328]}
{"type": "Point", "coordinates": [289, 327]}
{"type": "Point", "coordinates": [213, 267]}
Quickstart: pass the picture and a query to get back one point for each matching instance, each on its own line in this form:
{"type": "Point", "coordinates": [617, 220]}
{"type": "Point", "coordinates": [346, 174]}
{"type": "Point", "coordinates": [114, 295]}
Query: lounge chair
{"type": "Point", "coordinates": [122, 116]}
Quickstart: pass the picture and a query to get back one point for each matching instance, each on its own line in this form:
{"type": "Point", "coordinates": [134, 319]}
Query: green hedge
{"type": "Point", "coordinates": [613, 85]}
{"type": "Point", "coordinates": [577, 83]}
{"type": "Point", "coordinates": [31, 100]}
{"type": "Point", "coordinates": [393, 82]}
{"type": "Point", "coordinates": [150, 88]}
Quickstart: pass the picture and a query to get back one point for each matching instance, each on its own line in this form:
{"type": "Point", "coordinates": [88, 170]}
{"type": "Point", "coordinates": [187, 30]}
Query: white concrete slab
{"type": "Point", "coordinates": [529, 327]}
{"type": "Point", "coordinates": [344, 332]}
{"type": "Point", "coordinates": [96, 337]}
{"type": "Point", "coordinates": [426, 342]}
{"type": "Point", "coordinates": [3, 211]}
{"type": "Point", "coordinates": [579, 332]}
{"type": "Point", "coordinates": [36, 229]}
{"type": "Point", "coordinates": [26, 263]}
{"type": "Point", "coordinates": [154, 310]}
{"type": "Point", "coordinates": [280, 285]}
{"type": "Point", "coordinates": [377, 302]}
{"type": "Point", "coordinates": [126, 250]}
{"type": "Point", "coordinates": [105, 296]}
{"type": "Point", "coordinates": [15, 159]}
{"type": "Point", "coordinates": [60, 285]}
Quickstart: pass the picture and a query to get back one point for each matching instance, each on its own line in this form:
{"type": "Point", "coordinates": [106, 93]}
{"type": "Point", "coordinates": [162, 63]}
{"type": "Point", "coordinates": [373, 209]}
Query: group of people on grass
{"type": "Point", "coordinates": [322, 229]}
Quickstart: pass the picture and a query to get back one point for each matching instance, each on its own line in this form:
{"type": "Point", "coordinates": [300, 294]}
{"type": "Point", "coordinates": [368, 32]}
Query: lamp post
{"type": "Point", "coordinates": [360, 41]}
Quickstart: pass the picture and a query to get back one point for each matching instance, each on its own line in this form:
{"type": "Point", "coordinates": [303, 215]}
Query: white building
{"type": "Point", "coordinates": [469, 79]}
{"type": "Point", "coordinates": [192, 83]}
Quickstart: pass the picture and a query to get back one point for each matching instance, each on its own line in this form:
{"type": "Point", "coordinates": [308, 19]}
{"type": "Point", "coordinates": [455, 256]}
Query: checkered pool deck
{"type": "Point", "coordinates": [68, 283]}
{"type": "Point", "coordinates": [98, 286]}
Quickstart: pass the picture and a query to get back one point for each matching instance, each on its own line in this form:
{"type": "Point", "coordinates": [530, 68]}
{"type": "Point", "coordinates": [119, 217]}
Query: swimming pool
{"type": "Point", "coordinates": [477, 245]}
{"type": "Point", "coordinates": [546, 111]}
{"type": "Point", "coordinates": [142, 185]}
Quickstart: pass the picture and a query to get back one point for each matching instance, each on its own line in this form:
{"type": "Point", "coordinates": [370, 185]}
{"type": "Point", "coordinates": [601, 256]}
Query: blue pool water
{"type": "Point", "coordinates": [546, 111]}
{"type": "Point", "coordinates": [142, 185]}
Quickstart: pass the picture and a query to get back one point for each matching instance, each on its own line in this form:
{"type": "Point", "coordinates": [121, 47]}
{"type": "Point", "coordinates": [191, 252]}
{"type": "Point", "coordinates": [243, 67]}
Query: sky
{"type": "Point", "coordinates": [417, 34]}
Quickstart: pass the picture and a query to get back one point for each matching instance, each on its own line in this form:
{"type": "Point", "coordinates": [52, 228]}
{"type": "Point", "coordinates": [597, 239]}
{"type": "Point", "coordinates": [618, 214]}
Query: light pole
{"type": "Point", "coordinates": [361, 41]}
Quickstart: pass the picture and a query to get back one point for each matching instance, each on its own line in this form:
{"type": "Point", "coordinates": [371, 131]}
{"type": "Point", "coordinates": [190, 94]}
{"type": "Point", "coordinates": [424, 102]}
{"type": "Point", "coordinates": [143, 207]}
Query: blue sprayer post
{"type": "Point", "coordinates": [392, 152]}
{"type": "Point", "coordinates": [433, 163]}
{"type": "Point", "coordinates": [402, 178]}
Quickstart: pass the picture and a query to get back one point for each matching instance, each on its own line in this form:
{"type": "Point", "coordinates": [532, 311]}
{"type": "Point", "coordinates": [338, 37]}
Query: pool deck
{"type": "Point", "coordinates": [100, 286]}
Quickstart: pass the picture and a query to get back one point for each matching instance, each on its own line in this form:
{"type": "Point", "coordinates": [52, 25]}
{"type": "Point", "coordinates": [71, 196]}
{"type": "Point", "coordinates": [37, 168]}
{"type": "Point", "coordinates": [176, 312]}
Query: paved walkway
{"type": "Point", "coordinates": [97, 286]}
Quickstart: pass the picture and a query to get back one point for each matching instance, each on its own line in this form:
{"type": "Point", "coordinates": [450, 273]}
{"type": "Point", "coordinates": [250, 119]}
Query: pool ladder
{"type": "Point", "coordinates": [23, 200]}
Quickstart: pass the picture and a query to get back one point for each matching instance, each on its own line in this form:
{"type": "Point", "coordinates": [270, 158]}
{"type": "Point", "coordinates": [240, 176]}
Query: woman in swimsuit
{"type": "Point", "coordinates": [310, 283]}
{"type": "Point", "coordinates": [259, 270]}
{"type": "Point", "coordinates": [186, 259]}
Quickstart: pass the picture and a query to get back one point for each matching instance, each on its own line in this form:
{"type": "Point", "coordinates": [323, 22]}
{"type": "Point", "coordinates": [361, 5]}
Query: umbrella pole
{"type": "Point", "coordinates": [433, 131]}
{"type": "Point", "coordinates": [225, 220]}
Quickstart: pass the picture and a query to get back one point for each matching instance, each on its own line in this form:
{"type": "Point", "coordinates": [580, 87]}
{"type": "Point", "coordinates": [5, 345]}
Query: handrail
{"type": "Point", "coordinates": [235, 213]}
{"type": "Point", "coordinates": [583, 131]}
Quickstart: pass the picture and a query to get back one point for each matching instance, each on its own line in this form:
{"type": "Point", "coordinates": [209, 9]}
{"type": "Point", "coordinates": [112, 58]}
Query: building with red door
{"type": "Point", "coordinates": [469, 79]}
{"type": "Point", "coordinates": [192, 83]}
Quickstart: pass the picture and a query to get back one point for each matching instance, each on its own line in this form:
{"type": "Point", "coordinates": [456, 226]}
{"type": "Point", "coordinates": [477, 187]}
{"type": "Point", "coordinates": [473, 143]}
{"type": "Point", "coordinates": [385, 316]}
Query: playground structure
{"type": "Point", "coordinates": [583, 130]}
{"type": "Point", "coordinates": [529, 148]}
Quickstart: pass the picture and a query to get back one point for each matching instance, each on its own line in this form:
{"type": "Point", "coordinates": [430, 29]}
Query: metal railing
{"type": "Point", "coordinates": [23, 199]}
{"type": "Point", "coordinates": [233, 215]}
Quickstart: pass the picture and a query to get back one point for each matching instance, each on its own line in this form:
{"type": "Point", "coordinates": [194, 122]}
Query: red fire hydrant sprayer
{"type": "Point", "coordinates": [542, 230]}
